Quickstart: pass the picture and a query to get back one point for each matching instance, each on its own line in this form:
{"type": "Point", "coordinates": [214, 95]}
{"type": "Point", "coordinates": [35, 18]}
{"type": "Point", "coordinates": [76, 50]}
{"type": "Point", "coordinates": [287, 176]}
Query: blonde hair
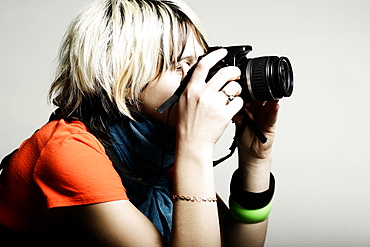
{"type": "Point", "coordinates": [113, 49]}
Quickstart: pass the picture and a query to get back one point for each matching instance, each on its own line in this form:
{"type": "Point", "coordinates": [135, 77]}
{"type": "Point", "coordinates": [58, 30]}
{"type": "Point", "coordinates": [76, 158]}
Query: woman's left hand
{"type": "Point", "coordinates": [265, 115]}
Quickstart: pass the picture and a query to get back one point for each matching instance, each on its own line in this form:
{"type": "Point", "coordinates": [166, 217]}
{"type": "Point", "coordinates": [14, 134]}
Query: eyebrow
{"type": "Point", "coordinates": [190, 58]}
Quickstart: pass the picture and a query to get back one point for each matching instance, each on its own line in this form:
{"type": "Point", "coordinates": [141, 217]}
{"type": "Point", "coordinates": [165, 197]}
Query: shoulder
{"type": "Point", "coordinates": [70, 138]}
{"type": "Point", "coordinates": [73, 167]}
{"type": "Point", "coordinates": [59, 132]}
{"type": "Point", "coordinates": [63, 143]}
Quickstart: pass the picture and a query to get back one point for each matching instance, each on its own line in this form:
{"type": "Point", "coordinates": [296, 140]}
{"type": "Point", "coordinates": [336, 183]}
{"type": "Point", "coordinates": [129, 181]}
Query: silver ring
{"type": "Point", "coordinates": [230, 97]}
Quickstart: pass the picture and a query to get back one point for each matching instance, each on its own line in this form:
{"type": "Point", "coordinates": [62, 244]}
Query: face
{"type": "Point", "coordinates": [159, 90]}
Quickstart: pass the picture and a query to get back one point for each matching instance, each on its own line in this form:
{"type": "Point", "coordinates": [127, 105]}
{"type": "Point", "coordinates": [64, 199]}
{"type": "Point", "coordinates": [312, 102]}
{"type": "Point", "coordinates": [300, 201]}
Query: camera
{"type": "Point", "coordinates": [262, 78]}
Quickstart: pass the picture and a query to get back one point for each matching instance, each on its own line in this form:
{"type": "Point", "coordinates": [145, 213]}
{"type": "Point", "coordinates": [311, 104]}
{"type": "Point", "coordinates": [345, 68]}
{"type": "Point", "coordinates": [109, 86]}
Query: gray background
{"type": "Point", "coordinates": [321, 154]}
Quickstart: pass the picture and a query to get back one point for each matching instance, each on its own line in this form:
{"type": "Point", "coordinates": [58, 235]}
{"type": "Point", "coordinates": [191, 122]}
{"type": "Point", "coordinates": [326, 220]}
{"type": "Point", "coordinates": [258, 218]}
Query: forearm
{"type": "Point", "coordinates": [242, 234]}
{"type": "Point", "coordinates": [194, 223]}
{"type": "Point", "coordinates": [255, 173]}
{"type": "Point", "coordinates": [255, 177]}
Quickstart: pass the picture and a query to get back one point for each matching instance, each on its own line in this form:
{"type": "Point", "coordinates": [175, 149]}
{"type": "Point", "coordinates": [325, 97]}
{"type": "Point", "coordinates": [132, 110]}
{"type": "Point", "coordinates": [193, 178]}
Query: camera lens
{"type": "Point", "coordinates": [266, 78]}
{"type": "Point", "coordinates": [285, 77]}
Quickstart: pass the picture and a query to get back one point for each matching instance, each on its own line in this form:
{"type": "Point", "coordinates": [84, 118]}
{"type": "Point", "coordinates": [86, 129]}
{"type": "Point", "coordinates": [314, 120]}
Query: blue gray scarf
{"type": "Point", "coordinates": [145, 163]}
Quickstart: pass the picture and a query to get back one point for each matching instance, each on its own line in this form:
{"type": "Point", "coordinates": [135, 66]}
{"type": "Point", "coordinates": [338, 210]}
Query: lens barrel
{"type": "Point", "coordinates": [266, 78]}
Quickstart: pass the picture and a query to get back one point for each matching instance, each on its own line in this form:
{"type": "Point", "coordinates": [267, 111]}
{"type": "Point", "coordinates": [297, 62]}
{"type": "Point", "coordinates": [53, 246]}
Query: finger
{"type": "Point", "coordinates": [233, 107]}
{"type": "Point", "coordinates": [270, 105]}
{"type": "Point", "coordinates": [205, 64]}
{"type": "Point", "coordinates": [238, 118]}
{"type": "Point", "coordinates": [232, 88]}
{"type": "Point", "coordinates": [254, 106]}
{"type": "Point", "coordinates": [223, 76]}
{"type": "Point", "coordinates": [272, 114]}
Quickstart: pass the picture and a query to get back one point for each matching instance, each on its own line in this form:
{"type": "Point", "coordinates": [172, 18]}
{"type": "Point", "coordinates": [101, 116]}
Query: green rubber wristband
{"type": "Point", "coordinates": [250, 216]}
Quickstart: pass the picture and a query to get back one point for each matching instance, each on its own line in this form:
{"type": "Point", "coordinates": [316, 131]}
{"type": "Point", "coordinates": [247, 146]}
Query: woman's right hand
{"type": "Point", "coordinates": [203, 113]}
{"type": "Point", "coordinates": [203, 109]}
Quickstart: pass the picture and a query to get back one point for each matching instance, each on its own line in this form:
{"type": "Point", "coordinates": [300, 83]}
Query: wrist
{"type": "Point", "coordinates": [194, 145]}
{"type": "Point", "coordinates": [194, 174]}
{"type": "Point", "coordinates": [256, 159]}
{"type": "Point", "coordinates": [255, 174]}
{"type": "Point", "coordinates": [193, 154]}
{"type": "Point", "coordinates": [254, 163]}
{"type": "Point", "coordinates": [195, 181]}
{"type": "Point", "coordinates": [247, 206]}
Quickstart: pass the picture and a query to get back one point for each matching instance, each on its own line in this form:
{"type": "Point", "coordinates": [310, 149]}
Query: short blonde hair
{"type": "Point", "coordinates": [113, 49]}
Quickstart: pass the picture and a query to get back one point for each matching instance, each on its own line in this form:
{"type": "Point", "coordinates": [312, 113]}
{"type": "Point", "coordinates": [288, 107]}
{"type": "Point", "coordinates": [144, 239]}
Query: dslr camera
{"type": "Point", "coordinates": [262, 78]}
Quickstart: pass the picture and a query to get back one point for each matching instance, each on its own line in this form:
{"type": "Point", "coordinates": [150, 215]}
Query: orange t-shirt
{"type": "Point", "coordinates": [61, 165]}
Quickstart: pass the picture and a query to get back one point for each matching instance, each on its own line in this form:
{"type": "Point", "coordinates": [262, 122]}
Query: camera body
{"type": "Point", "coordinates": [262, 78]}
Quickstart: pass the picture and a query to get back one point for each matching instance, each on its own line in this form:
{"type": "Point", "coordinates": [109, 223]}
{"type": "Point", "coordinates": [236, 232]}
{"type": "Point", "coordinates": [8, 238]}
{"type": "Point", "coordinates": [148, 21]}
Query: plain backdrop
{"type": "Point", "coordinates": [321, 154]}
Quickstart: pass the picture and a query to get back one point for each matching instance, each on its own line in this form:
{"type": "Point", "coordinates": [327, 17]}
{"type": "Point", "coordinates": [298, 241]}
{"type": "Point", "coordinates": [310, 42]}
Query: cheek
{"type": "Point", "coordinates": [155, 94]}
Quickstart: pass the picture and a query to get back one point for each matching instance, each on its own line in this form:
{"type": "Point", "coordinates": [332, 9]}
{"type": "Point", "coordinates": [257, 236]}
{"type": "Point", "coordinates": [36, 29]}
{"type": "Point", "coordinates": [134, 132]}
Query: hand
{"type": "Point", "coordinates": [265, 115]}
{"type": "Point", "coordinates": [203, 110]}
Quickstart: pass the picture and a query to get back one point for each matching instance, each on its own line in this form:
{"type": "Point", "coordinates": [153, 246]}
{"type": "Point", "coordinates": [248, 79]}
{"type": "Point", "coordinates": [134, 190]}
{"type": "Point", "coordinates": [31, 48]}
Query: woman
{"type": "Point", "coordinates": [119, 61]}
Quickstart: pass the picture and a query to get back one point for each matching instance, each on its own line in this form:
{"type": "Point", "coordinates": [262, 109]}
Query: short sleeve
{"type": "Point", "coordinates": [73, 169]}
